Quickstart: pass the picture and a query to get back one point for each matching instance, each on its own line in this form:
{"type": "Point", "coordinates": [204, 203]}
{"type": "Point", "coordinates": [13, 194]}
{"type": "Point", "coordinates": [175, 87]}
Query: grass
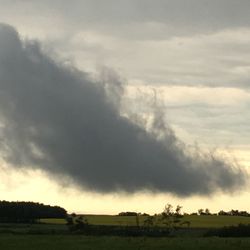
{"type": "Point", "coordinates": [53, 221]}
{"type": "Point", "coordinates": [204, 221]}
{"type": "Point", "coordinates": [13, 228]}
{"type": "Point", "coordinates": [69, 242]}
{"type": "Point", "coordinates": [53, 234]}
{"type": "Point", "coordinates": [208, 221]}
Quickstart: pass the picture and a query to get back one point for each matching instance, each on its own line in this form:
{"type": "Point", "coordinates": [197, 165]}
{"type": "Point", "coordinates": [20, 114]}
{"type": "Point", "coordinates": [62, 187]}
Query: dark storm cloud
{"type": "Point", "coordinates": [56, 118]}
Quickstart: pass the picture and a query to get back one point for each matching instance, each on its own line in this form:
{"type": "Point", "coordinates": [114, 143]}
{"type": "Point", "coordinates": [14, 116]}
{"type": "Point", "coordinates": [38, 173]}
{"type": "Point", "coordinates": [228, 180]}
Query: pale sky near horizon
{"type": "Point", "coordinates": [192, 54]}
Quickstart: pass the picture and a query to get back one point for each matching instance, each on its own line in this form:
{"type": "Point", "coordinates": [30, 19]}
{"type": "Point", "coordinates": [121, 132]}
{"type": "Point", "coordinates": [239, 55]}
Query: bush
{"type": "Point", "coordinates": [127, 214]}
{"type": "Point", "coordinates": [241, 230]}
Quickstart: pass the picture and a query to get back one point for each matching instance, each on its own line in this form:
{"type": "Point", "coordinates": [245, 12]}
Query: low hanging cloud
{"type": "Point", "coordinates": [60, 120]}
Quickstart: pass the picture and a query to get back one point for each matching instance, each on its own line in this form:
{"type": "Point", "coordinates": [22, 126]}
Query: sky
{"type": "Point", "coordinates": [108, 106]}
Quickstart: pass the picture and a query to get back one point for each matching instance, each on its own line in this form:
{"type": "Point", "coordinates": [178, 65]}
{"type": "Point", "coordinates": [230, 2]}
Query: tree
{"type": "Point", "coordinates": [171, 218]}
{"type": "Point", "coordinates": [207, 212]}
{"type": "Point", "coordinates": [70, 221]}
{"type": "Point", "coordinates": [150, 221]}
{"type": "Point", "coordinates": [23, 212]}
{"type": "Point", "coordinates": [222, 213]}
{"type": "Point", "coordinates": [81, 220]}
{"type": "Point", "coordinates": [201, 211]}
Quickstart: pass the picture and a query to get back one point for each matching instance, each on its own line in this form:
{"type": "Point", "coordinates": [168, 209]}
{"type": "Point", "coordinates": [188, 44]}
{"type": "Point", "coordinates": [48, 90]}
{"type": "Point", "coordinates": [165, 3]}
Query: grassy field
{"type": "Point", "coordinates": [53, 234]}
{"type": "Point", "coordinates": [67, 242]}
{"type": "Point", "coordinates": [13, 228]}
{"type": "Point", "coordinates": [204, 221]}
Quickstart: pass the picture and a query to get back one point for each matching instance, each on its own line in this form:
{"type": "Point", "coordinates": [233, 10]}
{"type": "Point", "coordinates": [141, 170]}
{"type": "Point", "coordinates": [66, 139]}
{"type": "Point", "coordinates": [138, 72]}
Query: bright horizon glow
{"type": "Point", "coordinates": [37, 186]}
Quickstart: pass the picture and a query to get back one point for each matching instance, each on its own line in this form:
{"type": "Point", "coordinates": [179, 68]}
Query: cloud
{"type": "Point", "coordinates": [58, 119]}
{"type": "Point", "coordinates": [185, 43]}
{"type": "Point", "coordinates": [194, 114]}
{"type": "Point", "coordinates": [138, 18]}
{"type": "Point", "coordinates": [214, 60]}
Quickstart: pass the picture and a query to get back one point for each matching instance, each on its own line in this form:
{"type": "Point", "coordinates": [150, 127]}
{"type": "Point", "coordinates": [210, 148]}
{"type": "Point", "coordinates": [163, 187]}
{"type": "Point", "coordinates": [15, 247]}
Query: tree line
{"type": "Point", "coordinates": [222, 212]}
{"type": "Point", "coordinates": [28, 211]}
{"type": "Point", "coordinates": [200, 211]}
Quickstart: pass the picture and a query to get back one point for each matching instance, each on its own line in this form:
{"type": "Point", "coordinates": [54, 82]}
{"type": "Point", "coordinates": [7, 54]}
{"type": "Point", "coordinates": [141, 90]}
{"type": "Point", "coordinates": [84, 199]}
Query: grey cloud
{"type": "Point", "coordinates": [179, 16]}
{"type": "Point", "coordinates": [157, 42]}
{"type": "Point", "coordinates": [222, 126]}
{"type": "Point", "coordinates": [215, 14]}
{"type": "Point", "coordinates": [61, 120]}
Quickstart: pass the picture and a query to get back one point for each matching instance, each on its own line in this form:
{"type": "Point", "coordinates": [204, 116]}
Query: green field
{"type": "Point", "coordinates": [54, 234]}
{"type": "Point", "coordinates": [67, 242]}
{"type": "Point", "coordinates": [204, 221]}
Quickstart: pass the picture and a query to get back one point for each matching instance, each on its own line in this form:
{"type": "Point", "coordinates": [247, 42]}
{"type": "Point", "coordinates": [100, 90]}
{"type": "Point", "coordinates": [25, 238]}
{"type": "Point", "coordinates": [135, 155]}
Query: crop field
{"type": "Point", "coordinates": [68, 242]}
{"type": "Point", "coordinates": [204, 221]}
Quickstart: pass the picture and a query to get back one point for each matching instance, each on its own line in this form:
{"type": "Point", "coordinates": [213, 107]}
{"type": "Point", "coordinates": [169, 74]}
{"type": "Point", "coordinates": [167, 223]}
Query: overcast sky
{"type": "Point", "coordinates": [192, 54]}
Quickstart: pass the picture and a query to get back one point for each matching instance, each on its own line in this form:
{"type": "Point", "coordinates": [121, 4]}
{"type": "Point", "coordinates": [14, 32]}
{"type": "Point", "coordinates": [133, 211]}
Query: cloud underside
{"type": "Point", "coordinates": [60, 120]}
